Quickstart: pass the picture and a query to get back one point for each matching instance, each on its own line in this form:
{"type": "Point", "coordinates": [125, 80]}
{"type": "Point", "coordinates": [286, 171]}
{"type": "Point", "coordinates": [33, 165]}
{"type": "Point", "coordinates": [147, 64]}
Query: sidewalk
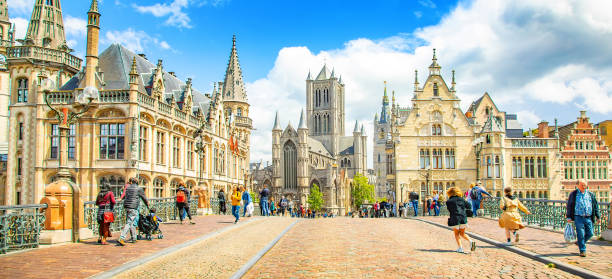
{"type": "Point", "coordinates": [81, 260]}
{"type": "Point", "coordinates": [546, 243]}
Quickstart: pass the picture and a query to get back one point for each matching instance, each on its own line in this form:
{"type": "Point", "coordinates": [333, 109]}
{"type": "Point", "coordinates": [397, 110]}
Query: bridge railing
{"type": "Point", "coordinates": [20, 226]}
{"type": "Point", "coordinates": [546, 214]}
{"type": "Point", "coordinates": [165, 208]}
{"type": "Point", "coordinates": [216, 209]}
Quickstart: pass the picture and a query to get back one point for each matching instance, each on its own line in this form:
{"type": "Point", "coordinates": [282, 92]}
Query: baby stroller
{"type": "Point", "coordinates": [148, 226]}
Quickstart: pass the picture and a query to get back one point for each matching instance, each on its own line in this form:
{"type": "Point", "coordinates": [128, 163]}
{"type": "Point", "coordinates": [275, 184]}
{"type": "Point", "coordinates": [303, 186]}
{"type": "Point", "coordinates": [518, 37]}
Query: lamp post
{"type": "Point", "coordinates": [427, 176]}
{"type": "Point", "coordinates": [477, 149]}
{"type": "Point", "coordinates": [66, 115]}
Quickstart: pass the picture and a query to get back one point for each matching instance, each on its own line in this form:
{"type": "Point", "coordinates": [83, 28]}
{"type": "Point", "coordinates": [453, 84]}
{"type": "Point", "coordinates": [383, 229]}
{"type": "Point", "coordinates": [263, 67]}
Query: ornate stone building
{"type": "Point", "coordinates": [318, 152]}
{"type": "Point", "coordinates": [433, 146]}
{"type": "Point", "coordinates": [147, 122]}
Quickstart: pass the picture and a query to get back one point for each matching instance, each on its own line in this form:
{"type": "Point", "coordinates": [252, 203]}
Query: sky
{"type": "Point", "coordinates": [541, 60]}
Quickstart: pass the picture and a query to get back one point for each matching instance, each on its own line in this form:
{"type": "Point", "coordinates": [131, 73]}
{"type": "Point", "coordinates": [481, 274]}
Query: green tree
{"type": "Point", "coordinates": [315, 198]}
{"type": "Point", "coordinates": [362, 191]}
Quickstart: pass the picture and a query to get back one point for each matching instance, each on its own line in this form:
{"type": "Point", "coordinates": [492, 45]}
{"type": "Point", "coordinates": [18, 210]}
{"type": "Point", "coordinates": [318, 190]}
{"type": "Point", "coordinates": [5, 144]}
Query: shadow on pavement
{"type": "Point", "coordinates": [437, 250]}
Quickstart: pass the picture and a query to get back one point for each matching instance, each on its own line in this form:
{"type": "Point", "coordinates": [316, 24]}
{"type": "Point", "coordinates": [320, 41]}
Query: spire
{"type": "Point", "coordinates": [93, 35]}
{"type": "Point", "coordinates": [356, 130]}
{"type": "Point", "coordinates": [94, 7]}
{"type": "Point", "coordinates": [308, 77]}
{"type": "Point", "coordinates": [376, 117]}
{"type": "Point", "coordinates": [233, 86]}
{"type": "Point", "coordinates": [333, 74]}
{"type": "Point", "coordinates": [393, 97]}
{"type": "Point", "coordinates": [385, 106]}
{"type": "Point", "coordinates": [340, 81]}
{"type": "Point", "coordinates": [324, 73]}
{"type": "Point", "coordinates": [38, 35]}
{"type": "Point", "coordinates": [362, 130]}
{"type": "Point", "coordinates": [416, 80]}
{"type": "Point", "coordinates": [276, 124]}
{"type": "Point", "coordinates": [133, 71]}
{"type": "Point", "coordinates": [453, 82]}
{"type": "Point", "coordinates": [302, 120]}
{"type": "Point", "coordinates": [434, 68]}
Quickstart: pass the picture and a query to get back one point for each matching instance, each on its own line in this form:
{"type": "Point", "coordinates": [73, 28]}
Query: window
{"type": "Point", "coordinates": [216, 159]}
{"type": "Point", "coordinates": [379, 157]}
{"type": "Point", "coordinates": [239, 112]}
{"type": "Point", "coordinates": [22, 90]}
{"type": "Point", "coordinates": [112, 141]}
{"type": "Point", "coordinates": [290, 165]}
{"type": "Point", "coordinates": [497, 167]}
{"type": "Point", "coordinates": [489, 167]}
{"type": "Point", "coordinates": [423, 190]}
{"type": "Point", "coordinates": [49, 2]}
{"type": "Point", "coordinates": [160, 148]}
{"type": "Point", "coordinates": [544, 168]}
{"type": "Point", "coordinates": [190, 154]}
{"type": "Point", "coordinates": [389, 163]}
{"type": "Point", "coordinates": [176, 152]}
{"type": "Point", "coordinates": [436, 130]}
{"type": "Point", "coordinates": [20, 131]}
{"type": "Point", "coordinates": [55, 141]}
{"type": "Point", "coordinates": [424, 158]}
{"type": "Point", "coordinates": [435, 90]}
{"type": "Point", "coordinates": [19, 166]}
{"type": "Point", "coordinates": [158, 188]}
{"type": "Point", "coordinates": [142, 143]}
{"type": "Point", "coordinates": [437, 158]}
{"type": "Point", "coordinates": [515, 167]}
{"type": "Point", "coordinates": [529, 167]}
{"type": "Point", "coordinates": [117, 184]}
{"type": "Point", "coordinates": [450, 158]}
{"type": "Point", "coordinates": [571, 170]}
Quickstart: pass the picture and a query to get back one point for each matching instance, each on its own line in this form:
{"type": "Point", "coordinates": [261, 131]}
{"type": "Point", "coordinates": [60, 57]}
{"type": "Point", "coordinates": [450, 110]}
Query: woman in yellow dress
{"type": "Point", "coordinates": [511, 219]}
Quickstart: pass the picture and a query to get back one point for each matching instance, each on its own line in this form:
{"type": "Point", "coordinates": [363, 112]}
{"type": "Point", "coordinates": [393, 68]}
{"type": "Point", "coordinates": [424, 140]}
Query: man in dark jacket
{"type": "Point", "coordinates": [131, 200]}
{"type": "Point", "coordinates": [583, 210]}
{"type": "Point", "coordinates": [263, 196]}
{"type": "Point", "coordinates": [182, 202]}
{"type": "Point", "coordinates": [414, 200]}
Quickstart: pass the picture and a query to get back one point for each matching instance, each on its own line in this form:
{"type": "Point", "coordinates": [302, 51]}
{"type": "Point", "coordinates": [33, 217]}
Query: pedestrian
{"type": "Point", "coordinates": [376, 209]}
{"type": "Point", "coordinates": [467, 194]}
{"type": "Point", "coordinates": [436, 203]}
{"type": "Point", "coordinates": [302, 211]}
{"type": "Point", "coordinates": [309, 213]}
{"type": "Point", "coordinates": [414, 201]}
{"type": "Point", "coordinates": [263, 196]}
{"type": "Point", "coordinates": [429, 200]}
{"type": "Point", "coordinates": [106, 203]}
{"type": "Point", "coordinates": [291, 208]}
{"type": "Point", "coordinates": [510, 219]}
{"type": "Point", "coordinates": [182, 202]}
{"type": "Point", "coordinates": [272, 207]}
{"type": "Point", "coordinates": [583, 210]}
{"type": "Point", "coordinates": [131, 200]}
{"type": "Point", "coordinates": [283, 205]}
{"type": "Point", "coordinates": [457, 220]}
{"type": "Point", "coordinates": [476, 196]}
{"type": "Point", "coordinates": [246, 200]}
{"type": "Point", "coordinates": [236, 197]}
{"type": "Point", "coordinates": [221, 197]}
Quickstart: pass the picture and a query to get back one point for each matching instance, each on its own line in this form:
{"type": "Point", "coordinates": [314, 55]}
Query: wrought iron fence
{"type": "Point", "coordinates": [165, 209]}
{"type": "Point", "coordinates": [546, 214]}
{"type": "Point", "coordinates": [20, 226]}
{"type": "Point", "coordinates": [215, 206]}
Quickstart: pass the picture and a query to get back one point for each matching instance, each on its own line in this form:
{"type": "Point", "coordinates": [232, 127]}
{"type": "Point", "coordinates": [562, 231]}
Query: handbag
{"type": "Point", "coordinates": [109, 216]}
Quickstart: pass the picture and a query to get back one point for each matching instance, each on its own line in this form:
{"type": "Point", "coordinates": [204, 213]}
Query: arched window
{"type": "Point", "coordinates": [435, 90]}
{"type": "Point", "coordinates": [290, 165]}
{"type": "Point", "coordinates": [22, 90]}
{"type": "Point", "coordinates": [158, 187]}
{"type": "Point", "coordinates": [173, 186]}
{"type": "Point", "coordinates": [497, 167]}
{"type": "Point", "coordinates": [239, 111]}
{"type": "Point", "coordinates": [117, 183]}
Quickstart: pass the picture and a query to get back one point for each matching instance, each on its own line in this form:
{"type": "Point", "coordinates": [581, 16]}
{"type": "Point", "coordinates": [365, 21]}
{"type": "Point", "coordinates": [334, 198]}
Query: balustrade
{"type": "Point", "coordinates": [114, 96]}
{"type": "Point", "coordinates": [165, 209]}
{"type": "Point", "coordinates": [194, 120]}
{"type": "Point", "coordinates": [47, 54]}
{"type": "Point", "coordinates": [20, 226]}
{"type": "Point", "coordinates": [243, 121]}
{"type": "Point", "coordinates": [60, 97]}
{"type": "Point", "coordinates": [180, 114]}
{"type": "Point", "coordinates": [165, 108]}
{"type": "Point", "coordinates": [529, 143]}
{"type": "Point", "coordinates": [146, 100]}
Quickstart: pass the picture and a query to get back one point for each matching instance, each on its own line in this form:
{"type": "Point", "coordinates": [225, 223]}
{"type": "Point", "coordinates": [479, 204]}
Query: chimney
{"type": "Point", "coordinates": [543, 130]}
{"type": "Point", "coordinates": [142, 55]}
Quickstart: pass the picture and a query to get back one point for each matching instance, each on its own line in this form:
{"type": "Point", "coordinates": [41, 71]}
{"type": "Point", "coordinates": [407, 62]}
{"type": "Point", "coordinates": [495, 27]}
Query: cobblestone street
{"type": "Point", "coordinates": [387, 248]}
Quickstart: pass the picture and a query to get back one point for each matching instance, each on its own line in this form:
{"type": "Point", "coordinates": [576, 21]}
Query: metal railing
{"type": "Point", "coordinates": [165, 209]}
{"type": "Point", "coordinates": [214, 204]}
{"type": "Point", "coordinates": [546, 214]}
{"type": "Point", "coordinates": [20, 226]}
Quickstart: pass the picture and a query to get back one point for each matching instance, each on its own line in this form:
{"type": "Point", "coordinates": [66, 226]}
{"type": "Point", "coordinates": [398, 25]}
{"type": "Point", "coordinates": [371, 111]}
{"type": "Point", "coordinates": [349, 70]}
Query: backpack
{"type": "Point", "coordinates": [474, 193]}
{"type": "Point", "coordinates": [284, 203]}
{"type": "Point", "coordinates": [180, 196]}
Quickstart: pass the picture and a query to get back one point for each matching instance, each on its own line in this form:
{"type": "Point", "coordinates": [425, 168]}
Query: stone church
{"type": "Point", "coordinates": [318, 152]}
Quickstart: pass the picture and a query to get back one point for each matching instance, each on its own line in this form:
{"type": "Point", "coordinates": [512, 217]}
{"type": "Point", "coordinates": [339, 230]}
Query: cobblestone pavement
{"type": "Point", "coordinates": [81, 260]}
{"type": "Point", "coordinates": [219, 257]}
{"type": "Point", "coordinates": [547, 243]}
{"type": "Point", "coordinates": [387, 248]}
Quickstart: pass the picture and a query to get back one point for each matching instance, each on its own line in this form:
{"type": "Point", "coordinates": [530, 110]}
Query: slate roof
{"type": "Point", "coordinates": [345, 145]}
{"type": "Point", "coordinates": [492, 125]}
{"type": "Point", "coordinates": [324, 74]}
{"type": "Point", "coordinates": [317, 147]}
{"type": "Point", "coordinates": [116, 61]}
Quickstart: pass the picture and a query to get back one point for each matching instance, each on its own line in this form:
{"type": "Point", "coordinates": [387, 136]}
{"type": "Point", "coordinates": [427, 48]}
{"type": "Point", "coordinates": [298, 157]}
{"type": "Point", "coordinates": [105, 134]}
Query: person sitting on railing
{"type": "Point", "coordinates": [106, 203]}
{"type": "Point", "coordinates": [131, 200]}
{"type": "Point", "coordinates": [511, 220]}
{"type": "Point", "coordinates": [583, 210]}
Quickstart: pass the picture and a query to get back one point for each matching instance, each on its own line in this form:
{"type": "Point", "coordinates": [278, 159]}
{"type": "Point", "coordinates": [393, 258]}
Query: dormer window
{"type": "Point", "coordinates": [435, 90]}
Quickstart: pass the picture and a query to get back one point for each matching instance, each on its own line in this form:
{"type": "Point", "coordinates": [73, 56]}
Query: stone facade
{"type": "Point", "coordinates": [318, 152]}
{"type": "Point", "coordinates": [147, 123]}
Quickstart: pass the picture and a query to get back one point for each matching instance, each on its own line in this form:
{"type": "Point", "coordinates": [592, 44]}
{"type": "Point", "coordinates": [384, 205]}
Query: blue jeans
{"type": "Point", "coordinates": [244, 210]}
{"type": "Point", "coordinates": [437, 209]}
{"type": "Point", "coordinates": [475, 207]}
{"type": "Point", "coordinates": [265, 206]}
{"type": "Point", "coordinates": [236, 211]}
{"type": "Point", "coordinates": [415, 206]}
{"type": "Point", "coordinates": [584, 231]}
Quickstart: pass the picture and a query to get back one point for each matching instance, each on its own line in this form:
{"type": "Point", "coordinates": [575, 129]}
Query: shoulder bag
{"type": "Point", "coordinates": [109, 216]}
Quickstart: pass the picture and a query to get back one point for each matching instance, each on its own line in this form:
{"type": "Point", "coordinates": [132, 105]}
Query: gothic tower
{"type": "Point", "coordinates": [93, 34]}
{"type": "Point", "coordinates": [303, 164]}
{"type": "Point", "coordinates": [6, 40]}
{"type": "Point", "coordinates": [276, 154]}
{"type": "Point", "coordinates": [325, 108]}
{"type": "Point", "coordinates": [46, 26]}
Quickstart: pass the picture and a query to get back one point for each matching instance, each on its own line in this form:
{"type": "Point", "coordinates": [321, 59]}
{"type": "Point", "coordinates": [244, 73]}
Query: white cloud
{"type": "Point", "coordinates": [135, 40]}
{"type": "Point", "coordinates": [418, 14]}
{"type": "Point", "coordinates": [175, 12]}
{"type": "Point", "coordinates": [74, 26]}
{"type": "Point", "coordinates": [21, 26]}
{"type": "Point", "coordinates": [20, 7]}
{"type": "Point", "coordinates": [427, 3]}
{"type": "Point", "coordinates": [529, 55]}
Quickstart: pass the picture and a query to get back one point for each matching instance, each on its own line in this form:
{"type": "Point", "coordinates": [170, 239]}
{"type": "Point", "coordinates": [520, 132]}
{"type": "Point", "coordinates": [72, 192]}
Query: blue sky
{"type": "Point", "coordinates": [539, 59]}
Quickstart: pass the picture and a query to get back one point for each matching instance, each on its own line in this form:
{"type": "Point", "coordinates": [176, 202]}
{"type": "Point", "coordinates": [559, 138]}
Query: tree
{"type": "Point", "coordinates": [362, 191]}
{"type": "Point", "coordinates": [315, 198]}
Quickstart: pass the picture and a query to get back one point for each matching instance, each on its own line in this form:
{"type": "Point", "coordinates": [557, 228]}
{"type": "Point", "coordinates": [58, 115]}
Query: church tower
{"type": "Point", "coordinates": [46, 26]}
{"type": "Point", "coordinates": [325, 108]}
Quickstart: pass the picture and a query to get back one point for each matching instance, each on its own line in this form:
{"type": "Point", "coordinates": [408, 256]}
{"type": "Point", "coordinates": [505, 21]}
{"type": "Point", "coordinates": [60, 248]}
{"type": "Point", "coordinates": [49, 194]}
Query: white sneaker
{"type": "Point", "coordinates": [460, 250]}
{"type": "Point", "coordinates": [509, 243]}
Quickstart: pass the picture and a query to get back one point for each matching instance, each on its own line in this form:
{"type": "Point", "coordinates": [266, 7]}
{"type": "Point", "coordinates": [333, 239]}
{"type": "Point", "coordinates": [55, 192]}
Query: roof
{"type": "Point", "coordinates": [324, 73]}
{"type": "Point", "coordinates": [513, 124]}
{"type": "Point", "coordinates": [345, 145]}
{"type": "Point", "coordinates": [492, 125]}
{"type": "Point", "coordinates": [317, 147]}
{"type": "Point", "coordinates": [116, 61]}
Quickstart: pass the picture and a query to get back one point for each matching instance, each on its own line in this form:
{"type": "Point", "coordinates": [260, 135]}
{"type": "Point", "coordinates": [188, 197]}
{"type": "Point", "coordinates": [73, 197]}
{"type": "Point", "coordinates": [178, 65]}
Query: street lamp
{"type": "Point", "coordinates": [67, 115]}
{"type": "Point", "coordinates": [477, 143]}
